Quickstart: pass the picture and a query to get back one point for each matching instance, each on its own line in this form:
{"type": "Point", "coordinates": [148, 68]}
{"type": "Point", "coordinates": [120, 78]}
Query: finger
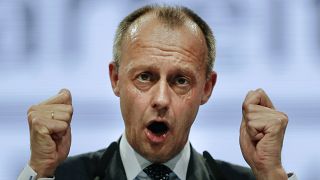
{"type": "Point", "coordinates": [258, 97]}
{"type": "Point", "coordinates": [57, 126]}
{"type": "Point", "coordinates": [49, 126]}
{"type": "Point", "coordinates": [59, 136]}
{"type": "Point", "coordinates": [54, 115]}
{"type": "Point", "coordinates": [264, 99]}
{"type": "Point", "coordinates": [245, 104]}
{"type": "Point", "coordinates": [262, 116]}
{"type": "Point", "coordinates": [256, 123]}
{"type": "Point", "coordinates": [255, 129]}
{"type": "Point", "coordinates": [266, 122]}
{"type": "Point", "coordinates": [63, 97]}
{"type": "Point", "coordinates": [251, 108]}
{"type": "Point", "coordinates": [249, 94]}
{"type": "Point", "coordinates": [58, 115]}
{"type": "Point", "coordinates": [52, 107]}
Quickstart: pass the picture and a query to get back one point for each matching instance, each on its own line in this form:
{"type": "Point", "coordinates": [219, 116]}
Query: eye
{"type": "Point", "coordinates": [181, 81]}
{"type": "Point", "coordinates": [144, 77]}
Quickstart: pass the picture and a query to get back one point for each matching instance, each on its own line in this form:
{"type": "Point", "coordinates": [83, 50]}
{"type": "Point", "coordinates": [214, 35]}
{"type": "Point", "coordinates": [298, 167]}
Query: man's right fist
{"type": "Point", "coordinates": [50, 133]}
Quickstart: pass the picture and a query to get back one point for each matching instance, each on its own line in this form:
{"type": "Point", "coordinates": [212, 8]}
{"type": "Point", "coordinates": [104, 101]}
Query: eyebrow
{"type": "Point", "coordinates": [182, 68]}
{"type": "Point", "coordinates": [129, 69]}
{"type": "Point", "coordinates": [187, 71]}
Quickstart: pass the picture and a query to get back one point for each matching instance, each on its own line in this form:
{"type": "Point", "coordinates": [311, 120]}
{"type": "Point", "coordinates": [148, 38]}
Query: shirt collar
{"type": "Point", "coordinates": [134, 163]}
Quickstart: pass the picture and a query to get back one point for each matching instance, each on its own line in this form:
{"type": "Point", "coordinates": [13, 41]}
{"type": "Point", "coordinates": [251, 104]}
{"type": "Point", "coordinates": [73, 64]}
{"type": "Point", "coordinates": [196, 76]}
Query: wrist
{"type": "Point", "coordinates": [277, 173]}
{"type": "Point", "coordinates": [43, 171]}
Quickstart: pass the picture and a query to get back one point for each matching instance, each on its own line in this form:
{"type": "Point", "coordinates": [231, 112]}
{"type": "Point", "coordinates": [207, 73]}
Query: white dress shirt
{"type": "Point", "coordinates": [134, 163]}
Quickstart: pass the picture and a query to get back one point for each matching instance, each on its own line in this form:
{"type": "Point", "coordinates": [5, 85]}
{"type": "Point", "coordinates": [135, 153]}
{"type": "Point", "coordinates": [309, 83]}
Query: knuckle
{"type": "Point", "coordinates": [245, 106]}
{"type": "Point", "coordinates": [38, 126]}
{"type": "Point", "coordinates": [281, 120]}
{"type": "Point", "coordinates": [248, 116]}
{"type": "Point", "coordinates": [32, 117]}
{"type": "Point", "coordinates": [260, 91]}
{"type": "Point", "coordinates": [68, 116]}
{"type": "Point", "coordinates": [32, 108]}
{"type": "Point", "coordinates": [62, 126]}
{"type": "Point", "coordinates": [42, 130]}
{"type": "Point", "coordinates": [70, 109]}
{"type": "Point", "coordinates": [250, 107]}
{"type": "Point", "coordinates": [65, 125]}
{"type": "Point", "coordinates": [284, 118]}
{"type": "Point", "coordinates": [35, 121]}
{"type": "Point", "coordinates": [250, 124]}
{"type": "Point", "coordinates": [66, 108]}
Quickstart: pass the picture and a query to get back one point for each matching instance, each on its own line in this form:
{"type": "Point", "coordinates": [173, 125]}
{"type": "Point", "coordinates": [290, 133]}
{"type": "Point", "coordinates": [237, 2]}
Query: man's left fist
{"type": "Point", "coordinates": [261, 135]}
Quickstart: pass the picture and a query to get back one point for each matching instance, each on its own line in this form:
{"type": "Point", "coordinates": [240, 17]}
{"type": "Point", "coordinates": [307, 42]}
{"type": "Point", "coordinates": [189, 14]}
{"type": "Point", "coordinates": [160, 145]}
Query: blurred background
{"type": "Point", "coordinates": [48, 45]}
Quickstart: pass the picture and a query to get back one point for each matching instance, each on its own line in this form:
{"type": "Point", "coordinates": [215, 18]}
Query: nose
{"type": "Point", "coordinates": [161, 97]}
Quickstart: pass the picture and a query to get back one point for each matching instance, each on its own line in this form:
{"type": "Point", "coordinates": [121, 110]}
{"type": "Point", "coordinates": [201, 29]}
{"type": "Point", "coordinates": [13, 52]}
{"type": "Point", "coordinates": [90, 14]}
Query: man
{"type": "Point", "coordinates": [162, 72]}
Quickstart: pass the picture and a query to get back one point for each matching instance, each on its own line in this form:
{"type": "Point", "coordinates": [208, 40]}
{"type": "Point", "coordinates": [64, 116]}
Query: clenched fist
{"type": "Point", "coordinates": [261, 136]}
{"type": "Point", "coordinates": [50, 133]}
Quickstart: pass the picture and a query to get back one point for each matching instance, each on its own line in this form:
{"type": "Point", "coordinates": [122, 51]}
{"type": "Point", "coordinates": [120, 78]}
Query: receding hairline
{"type": "Point", "coordinates": [171, 16]}
{"type": "Point", "coordinates": [152, 16]}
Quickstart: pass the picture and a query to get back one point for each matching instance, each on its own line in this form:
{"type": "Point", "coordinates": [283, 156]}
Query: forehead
{"type": "Point", "coordinates": [186, 40]}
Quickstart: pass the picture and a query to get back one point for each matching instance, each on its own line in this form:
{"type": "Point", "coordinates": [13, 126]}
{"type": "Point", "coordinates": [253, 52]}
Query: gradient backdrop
{"type": "Point", "coordinates": [47, 45]}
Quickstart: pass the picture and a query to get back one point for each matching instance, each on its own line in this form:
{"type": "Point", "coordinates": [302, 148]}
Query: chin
{"type": "Point", "coordinates": [158, 157]}
{"type": "Point", "coordinates": [159, 154]}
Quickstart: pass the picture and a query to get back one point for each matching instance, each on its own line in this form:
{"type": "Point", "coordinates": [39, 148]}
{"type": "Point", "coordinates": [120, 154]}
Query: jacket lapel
{"type": "Point", "coordinates": [197, 168]}
{"type": "Point", "coordinates": [110, 165]}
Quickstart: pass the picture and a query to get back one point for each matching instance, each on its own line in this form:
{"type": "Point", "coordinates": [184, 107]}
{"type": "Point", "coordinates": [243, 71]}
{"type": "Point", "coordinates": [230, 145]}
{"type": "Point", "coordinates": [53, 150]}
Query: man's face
{"type": "Point", "coordinates": [161, 82]}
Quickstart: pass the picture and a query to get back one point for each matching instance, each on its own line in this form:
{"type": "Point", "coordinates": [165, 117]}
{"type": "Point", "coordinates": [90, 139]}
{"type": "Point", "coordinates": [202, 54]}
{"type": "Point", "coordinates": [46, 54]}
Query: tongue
{"type": "Point", "coordinates": [155, 138]}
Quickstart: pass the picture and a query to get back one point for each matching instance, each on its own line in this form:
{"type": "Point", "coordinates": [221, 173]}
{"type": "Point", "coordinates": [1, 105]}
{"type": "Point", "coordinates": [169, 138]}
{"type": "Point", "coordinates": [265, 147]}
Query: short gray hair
{"type": "Point", "coordinates": [172, 16]}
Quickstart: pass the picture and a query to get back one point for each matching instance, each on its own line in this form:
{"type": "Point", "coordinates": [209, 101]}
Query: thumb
{"type": "Point", "coordinates": [264, 99]}
{"type": "Point", "coordinates": [68, 96]}
{"type": "Point", "coordinates": [258, 97]}
{"type": "Point", "coordinates": [63, 97]}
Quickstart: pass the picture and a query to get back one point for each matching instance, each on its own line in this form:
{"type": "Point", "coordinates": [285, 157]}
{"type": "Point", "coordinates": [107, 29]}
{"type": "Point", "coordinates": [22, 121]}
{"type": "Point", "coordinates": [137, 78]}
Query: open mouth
{"type": "Point", "coordinates": [158, 128]}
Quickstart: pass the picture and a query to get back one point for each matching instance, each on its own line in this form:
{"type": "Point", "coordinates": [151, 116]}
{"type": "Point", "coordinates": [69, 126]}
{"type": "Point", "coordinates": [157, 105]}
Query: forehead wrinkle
{"type": "Point", "coordinates": [167, 50]}
{"type": "Point", "coordinates": [152, 64]}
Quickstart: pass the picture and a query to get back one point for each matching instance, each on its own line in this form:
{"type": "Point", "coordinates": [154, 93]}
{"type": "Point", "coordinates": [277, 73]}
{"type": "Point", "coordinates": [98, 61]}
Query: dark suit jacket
{"type": "Point", "coordinates": [106, 164]}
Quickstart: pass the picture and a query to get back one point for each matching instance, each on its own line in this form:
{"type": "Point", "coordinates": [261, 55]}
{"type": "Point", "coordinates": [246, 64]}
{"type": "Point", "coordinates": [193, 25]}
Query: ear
{"type": "Point", "coordinates": [208, 87]}
{"type": "Point", "coordinates": [114, 78]}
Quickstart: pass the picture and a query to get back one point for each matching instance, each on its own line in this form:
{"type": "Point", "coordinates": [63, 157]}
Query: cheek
{"type": "Point", "coordinates": [132, 104]}
{"type": "Point", "coordinates": [191, 100]}
{"type": "Point", "coordinates": [187, 109]}
{"type": "Point", "coordinates": [189, 96]}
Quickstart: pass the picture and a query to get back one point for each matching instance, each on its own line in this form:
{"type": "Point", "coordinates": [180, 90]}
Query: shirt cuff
{"type": "Point", "coordinates": [29, 174]}
{"type": "Point", "coordinates": [292, 176]}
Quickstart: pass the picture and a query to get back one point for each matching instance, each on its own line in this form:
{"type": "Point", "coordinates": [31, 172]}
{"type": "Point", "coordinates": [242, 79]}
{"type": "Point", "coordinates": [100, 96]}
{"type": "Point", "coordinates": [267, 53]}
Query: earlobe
{"type": "Point", "coordinates": [114, 78]}
{"type": "Point", "coordinates": [210, 83]}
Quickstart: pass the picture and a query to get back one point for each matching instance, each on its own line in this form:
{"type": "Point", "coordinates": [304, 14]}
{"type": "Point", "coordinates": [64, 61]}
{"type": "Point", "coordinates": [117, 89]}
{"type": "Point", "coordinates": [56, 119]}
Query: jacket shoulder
{"type": "Point", "coordinates": [226, 170]}
{"type": "Point", "coordinates": [102, 164]}
{"type": "Point", "coordinates": [233, 171]}
{"type": "Point", "coordinates": [80, 167]}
